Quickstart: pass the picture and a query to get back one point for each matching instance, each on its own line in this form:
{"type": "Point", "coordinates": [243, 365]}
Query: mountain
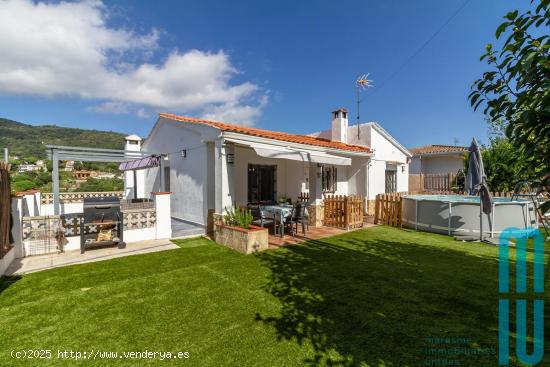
{"type": "Point", "coordinates": [28, 140]}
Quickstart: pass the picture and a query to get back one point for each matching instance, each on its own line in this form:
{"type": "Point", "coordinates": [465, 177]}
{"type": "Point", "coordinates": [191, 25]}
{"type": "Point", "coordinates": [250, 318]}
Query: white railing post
{"type": "Point", "coordinates": [17, 230]}
{"type": "Point", "coordinates": [163, 224]}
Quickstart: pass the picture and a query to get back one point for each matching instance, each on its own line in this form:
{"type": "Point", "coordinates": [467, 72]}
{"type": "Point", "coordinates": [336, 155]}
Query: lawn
{"type": "Point", "coordinates": [374, 297]}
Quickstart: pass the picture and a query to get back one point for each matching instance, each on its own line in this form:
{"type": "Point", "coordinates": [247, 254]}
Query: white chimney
{"type": "Point", "coordinates": [134, 181]}
{"type": "Point", "coordinates": [339, 130]}
{"type": "Point", "coordinates": [133, 143]}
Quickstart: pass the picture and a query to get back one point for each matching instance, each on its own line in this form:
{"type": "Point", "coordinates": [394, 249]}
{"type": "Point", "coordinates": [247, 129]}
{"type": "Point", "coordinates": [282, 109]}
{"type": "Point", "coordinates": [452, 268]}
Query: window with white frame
{"type": "Point", "coordinates": [329, 178]}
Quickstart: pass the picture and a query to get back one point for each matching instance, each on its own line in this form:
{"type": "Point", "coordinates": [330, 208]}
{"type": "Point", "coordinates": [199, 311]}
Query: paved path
{"type": "Point", "coordinates": [33, 264]}
{"type": "Point", "coordinates": [181, 229]}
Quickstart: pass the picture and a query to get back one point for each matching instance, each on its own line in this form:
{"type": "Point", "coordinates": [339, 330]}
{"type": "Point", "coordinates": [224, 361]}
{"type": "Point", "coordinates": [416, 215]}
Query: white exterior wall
{"type": "Point", "coordinates": [64, 208]}
{"type": "Point", "coordinates": [385, 152]}
{"type": "Point", "coordinates": [437, 164]}
{"type": "Point", "coordinates": [188, 176]}
{"type": "Point", "coordinates": [377, 178]}
{"type": "Point", "coordinates": [357, 176]}
{"type": "Point", "coordinates": [342, 187]}
{"type": "Point", "coordinates": [297, 175]}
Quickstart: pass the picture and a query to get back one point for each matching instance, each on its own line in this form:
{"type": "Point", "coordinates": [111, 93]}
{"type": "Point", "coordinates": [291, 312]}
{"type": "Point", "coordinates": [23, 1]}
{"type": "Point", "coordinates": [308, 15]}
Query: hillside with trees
{"type": "Point", "coordinates": [28, 141]}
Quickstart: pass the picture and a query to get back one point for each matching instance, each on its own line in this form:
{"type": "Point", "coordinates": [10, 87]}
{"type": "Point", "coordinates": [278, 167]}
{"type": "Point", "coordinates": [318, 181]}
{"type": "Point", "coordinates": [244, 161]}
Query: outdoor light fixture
{"type": "Point", "coordinates": [230, 158]}
{"type": "Point", "coordinates": [184, 153]}
{"type": "Point", "coordinates": [403, 168]}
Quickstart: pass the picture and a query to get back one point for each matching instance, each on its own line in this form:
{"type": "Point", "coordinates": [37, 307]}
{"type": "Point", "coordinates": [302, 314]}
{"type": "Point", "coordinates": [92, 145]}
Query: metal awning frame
{"type": "Point", "coordinates": [57, 153]}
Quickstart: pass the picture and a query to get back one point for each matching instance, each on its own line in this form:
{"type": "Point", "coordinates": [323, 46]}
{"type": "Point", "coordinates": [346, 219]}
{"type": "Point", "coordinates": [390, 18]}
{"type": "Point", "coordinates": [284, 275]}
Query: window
{"type": "Point", "coordinates": [329, 178]}
{"type": "Point", "coordinates": [391, 181]}
{"type": "Point", "coordinates": [167, 179]}
{"type": "Point", "coordinates": [262, 183]}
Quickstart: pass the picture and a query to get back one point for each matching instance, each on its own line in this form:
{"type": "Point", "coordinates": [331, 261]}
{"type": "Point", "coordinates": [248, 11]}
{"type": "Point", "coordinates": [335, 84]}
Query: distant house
{"type": "Point", "coordinates": [82, 175]}
{"type": "Point", "coordinates": [436, 167]}
{"type": "Point", "coordinates": [437, 159]}
{"type": "Point", "coordinates": [28, 168]}
{"type": "Point", "coordinates": [69, 166]}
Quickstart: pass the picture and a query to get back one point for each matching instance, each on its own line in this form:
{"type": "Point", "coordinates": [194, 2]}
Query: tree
{"type": "Point", "coordinates": [502, 166]}
{"type": "Point", "coordinates": [516, 91]}
{"type": "Point", "coordinates": [99, 185]}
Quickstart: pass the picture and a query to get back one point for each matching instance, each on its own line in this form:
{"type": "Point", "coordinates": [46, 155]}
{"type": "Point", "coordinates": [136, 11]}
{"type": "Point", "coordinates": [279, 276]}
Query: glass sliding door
{"type": "Point", "coordinates": [262, 183]}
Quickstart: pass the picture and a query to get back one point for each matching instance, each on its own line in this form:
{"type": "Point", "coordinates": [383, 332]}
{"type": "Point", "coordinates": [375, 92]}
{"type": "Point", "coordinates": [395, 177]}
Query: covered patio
{"type": "Point", "coordinates": [266, 173]}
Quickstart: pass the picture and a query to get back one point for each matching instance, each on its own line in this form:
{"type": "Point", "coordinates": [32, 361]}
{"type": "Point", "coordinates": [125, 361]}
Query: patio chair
{"type": "Point", "coordinates": [259, 217]}
{"type": "Point", "coordinates": [298, 216]}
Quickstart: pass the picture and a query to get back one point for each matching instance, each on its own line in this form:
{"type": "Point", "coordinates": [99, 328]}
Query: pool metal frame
{"type": "Point", "coordinates": [431, 218]}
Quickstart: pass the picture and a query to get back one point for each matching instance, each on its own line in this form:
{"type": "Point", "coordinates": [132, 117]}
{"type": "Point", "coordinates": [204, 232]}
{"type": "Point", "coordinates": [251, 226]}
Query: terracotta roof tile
{"type": "Point", "coordinates": [292, 138]}
{"type": "Point", "coordinates": [435, 149]}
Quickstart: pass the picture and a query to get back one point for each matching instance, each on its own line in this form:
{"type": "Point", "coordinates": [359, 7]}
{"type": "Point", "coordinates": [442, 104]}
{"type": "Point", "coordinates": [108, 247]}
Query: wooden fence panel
{"type": "Point", "coordinates": [388, 209]}
{"type": "Point", "coordinates": [438, 182]}
{"type": "Point", "coordinates": [345, 212]}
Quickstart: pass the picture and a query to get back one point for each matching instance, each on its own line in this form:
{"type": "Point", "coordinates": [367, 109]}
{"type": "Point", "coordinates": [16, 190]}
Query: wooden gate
{"type": "Point", "coordinates": [343, 212]}
{"type": "Point", "coordinates": [388, 209]}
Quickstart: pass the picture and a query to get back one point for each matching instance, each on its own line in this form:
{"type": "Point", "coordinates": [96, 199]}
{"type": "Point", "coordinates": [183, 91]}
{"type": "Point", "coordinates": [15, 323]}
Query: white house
{"type": "Point", "coordinates": [389, 164]}
{"type": "Point", "coordinates": [211, 165]}
{"type": "Point", "coordinates": [437, 159]}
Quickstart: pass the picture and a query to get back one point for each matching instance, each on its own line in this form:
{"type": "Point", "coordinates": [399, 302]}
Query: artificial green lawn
{"type": "Point", "coordinates": [372, 297]}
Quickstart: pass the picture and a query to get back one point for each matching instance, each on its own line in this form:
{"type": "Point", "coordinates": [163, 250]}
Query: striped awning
{"type": "Point", "coordinates": [142, 163]}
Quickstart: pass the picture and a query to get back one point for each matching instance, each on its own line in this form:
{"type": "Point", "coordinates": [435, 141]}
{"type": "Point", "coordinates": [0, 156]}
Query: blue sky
{"type": "Point", "coordinates": [280, 65]}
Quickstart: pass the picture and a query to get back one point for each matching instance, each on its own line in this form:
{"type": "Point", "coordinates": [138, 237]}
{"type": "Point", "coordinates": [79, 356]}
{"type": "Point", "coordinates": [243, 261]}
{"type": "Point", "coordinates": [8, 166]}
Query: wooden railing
{"type": "Point", "coordinates": [388, 209]}
{"type": "Point", "coordinates": [304, 197]}
{"type": "Point", "coordinates": [344, 212]}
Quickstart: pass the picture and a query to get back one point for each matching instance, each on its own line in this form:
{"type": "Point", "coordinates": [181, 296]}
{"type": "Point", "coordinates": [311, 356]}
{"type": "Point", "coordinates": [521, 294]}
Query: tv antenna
{"type": "Point", "coordinates": [362, 83]}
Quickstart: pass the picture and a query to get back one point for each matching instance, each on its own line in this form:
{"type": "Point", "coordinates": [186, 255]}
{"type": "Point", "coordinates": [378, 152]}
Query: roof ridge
{"type": "Point", "coordinates": [269, 133]}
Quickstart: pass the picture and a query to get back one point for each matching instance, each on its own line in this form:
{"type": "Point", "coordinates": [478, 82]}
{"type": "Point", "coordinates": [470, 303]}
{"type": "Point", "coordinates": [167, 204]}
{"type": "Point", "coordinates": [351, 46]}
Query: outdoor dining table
{"type": "Point", "coordinates": [281, 212]}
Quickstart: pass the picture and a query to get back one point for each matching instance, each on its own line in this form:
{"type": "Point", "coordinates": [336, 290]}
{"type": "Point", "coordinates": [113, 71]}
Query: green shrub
{"type": "Point", "coordinates": [22, 185]}
{"type": "Point", "coordinates": [238, 217]}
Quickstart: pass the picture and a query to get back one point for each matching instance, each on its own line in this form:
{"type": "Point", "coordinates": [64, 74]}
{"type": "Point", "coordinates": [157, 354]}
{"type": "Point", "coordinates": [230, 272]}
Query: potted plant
{"type": "Point", "coordinates": [283, 200]}
{"type": "Point", "coordinates": [236, 231]}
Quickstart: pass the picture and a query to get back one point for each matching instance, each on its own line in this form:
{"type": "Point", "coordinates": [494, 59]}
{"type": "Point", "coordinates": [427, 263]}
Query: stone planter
{"type": "Point", "coordinates": [249, 240]}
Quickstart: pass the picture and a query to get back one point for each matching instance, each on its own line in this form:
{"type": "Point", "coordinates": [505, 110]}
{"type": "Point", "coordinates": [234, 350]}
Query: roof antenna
{"type": "Point", "coordinates": [361, 84]}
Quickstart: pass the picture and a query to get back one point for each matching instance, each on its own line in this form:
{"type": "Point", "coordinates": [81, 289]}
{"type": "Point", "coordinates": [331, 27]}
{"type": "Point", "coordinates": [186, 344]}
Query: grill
{"type": "Point", "coordinates": [102, 223]}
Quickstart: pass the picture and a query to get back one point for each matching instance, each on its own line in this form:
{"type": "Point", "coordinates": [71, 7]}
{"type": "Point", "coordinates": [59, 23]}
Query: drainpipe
{"type": "Point", "coordinates": [367, 171]}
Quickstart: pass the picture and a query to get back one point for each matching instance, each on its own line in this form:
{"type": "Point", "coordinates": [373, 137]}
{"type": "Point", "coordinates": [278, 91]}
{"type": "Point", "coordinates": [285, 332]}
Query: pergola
{"type": "Point", "coordinates": [58, 153]}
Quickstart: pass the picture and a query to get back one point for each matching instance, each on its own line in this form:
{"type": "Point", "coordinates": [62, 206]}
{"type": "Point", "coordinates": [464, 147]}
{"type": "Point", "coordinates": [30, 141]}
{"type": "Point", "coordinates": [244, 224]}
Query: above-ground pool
{"type": "Point", "coordinates": [455, 214]}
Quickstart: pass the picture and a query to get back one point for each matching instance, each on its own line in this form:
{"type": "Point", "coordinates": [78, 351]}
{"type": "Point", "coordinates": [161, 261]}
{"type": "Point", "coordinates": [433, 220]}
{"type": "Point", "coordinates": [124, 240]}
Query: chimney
{"type": "Point", "coordinates": [339, 130]}
{"type": "Point", "coordinates": [133, 143]}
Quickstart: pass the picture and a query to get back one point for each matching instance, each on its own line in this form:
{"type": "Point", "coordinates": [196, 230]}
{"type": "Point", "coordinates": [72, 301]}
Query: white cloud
{"type": "Point", "coordinates": [68, 49]}
{"type": "Point", "coordinates": [242, 114]}
{"type": "Point", "coordinates": [142, 113]}
{"type": "Point", "coordinates": [113, 107]}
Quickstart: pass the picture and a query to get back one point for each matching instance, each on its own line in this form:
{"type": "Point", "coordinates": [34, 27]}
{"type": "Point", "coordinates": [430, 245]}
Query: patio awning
{"type": "Point", "coordinates": [142, 163]}
{"type": "Point", "coordinates": [304, 155]}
